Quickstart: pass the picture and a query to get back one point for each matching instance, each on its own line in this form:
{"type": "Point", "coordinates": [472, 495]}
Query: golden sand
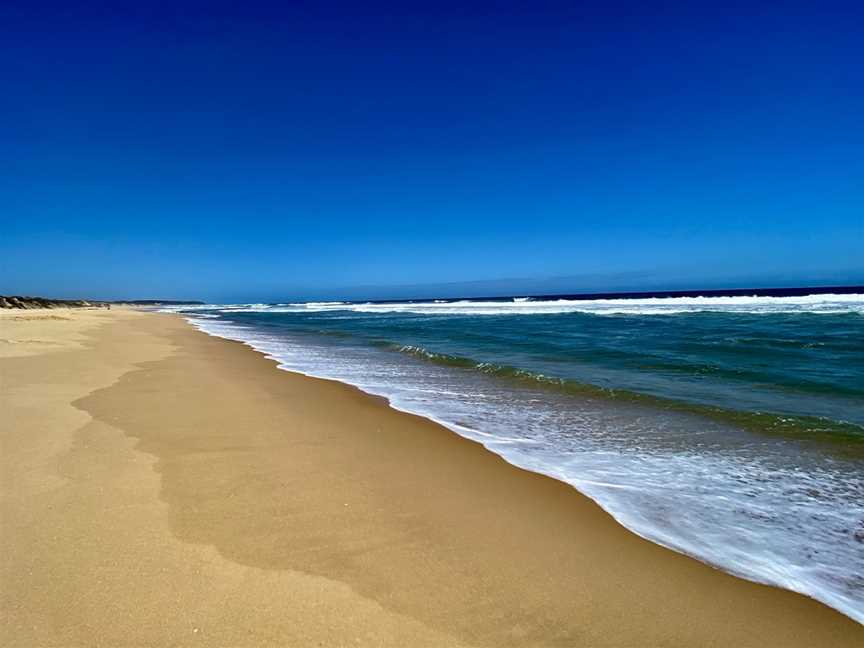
{"type": "Point", "coordinates": [165, 488]}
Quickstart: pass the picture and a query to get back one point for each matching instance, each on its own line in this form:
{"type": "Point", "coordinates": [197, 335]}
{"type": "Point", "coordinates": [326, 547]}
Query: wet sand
{"type": "Point", "coordinates": [161, 487]}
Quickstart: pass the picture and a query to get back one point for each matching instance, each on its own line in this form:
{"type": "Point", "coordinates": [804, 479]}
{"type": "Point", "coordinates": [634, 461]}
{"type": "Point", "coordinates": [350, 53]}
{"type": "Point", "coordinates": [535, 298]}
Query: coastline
{"type": "Point", "coordinates": [165, 485]}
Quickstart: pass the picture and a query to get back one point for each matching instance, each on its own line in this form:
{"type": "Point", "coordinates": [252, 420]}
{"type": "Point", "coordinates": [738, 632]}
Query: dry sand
{"type": "Point", "coordinates": [164, 488]}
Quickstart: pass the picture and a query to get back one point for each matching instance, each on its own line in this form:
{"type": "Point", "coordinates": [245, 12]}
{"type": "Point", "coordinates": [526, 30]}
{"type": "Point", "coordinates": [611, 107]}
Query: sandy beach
{"type": "Point", "coordinates": [161, 487]}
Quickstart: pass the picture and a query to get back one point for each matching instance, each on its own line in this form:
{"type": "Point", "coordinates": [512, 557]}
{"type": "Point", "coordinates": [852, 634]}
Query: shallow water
{"type": "Point", "coordinates": [728, 428]}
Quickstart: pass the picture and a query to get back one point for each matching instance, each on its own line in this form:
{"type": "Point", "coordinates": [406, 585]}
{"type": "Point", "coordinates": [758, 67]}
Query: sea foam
{"type": "Point", "coordinates": [816, 304]}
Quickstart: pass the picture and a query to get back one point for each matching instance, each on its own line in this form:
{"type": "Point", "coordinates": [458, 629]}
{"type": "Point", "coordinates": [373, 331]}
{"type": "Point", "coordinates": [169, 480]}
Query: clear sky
{"type": "Point", "coordinates": [258, 151]}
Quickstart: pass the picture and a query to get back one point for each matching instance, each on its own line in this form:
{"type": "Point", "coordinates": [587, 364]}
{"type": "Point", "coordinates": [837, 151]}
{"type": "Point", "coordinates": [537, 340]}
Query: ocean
{"type": "Point", "coordinates": [726, 427]}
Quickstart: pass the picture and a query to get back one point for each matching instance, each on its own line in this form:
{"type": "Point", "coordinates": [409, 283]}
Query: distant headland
{"type": "Point", "coordinates": [26, 302]}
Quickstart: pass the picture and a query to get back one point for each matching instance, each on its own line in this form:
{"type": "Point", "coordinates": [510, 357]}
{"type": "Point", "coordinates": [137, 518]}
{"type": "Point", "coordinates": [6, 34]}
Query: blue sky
{"type": "Point", "coordinates": [248, 151]}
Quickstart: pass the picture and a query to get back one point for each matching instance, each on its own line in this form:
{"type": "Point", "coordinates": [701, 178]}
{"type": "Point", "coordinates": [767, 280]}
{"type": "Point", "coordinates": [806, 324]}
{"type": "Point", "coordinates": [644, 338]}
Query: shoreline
{"type": "Point", "coordinates": [770, 571]}
{"type": "Point", "coordinates": [270, 507]}
{"type": "Point", "coordinates": [387, 402]}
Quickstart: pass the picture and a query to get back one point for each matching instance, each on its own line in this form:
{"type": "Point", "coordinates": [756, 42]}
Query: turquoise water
{"type": "Point", "coordinates": [728, 428]}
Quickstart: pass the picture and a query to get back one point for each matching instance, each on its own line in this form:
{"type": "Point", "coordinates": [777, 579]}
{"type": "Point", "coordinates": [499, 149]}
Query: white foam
{"type": "Point", "coordinates": [818, 304]}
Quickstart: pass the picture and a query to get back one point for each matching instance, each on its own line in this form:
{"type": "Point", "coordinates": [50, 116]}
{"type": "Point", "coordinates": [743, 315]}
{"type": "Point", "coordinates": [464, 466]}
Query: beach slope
{"type": "Point", "coordinates": [161, 487]}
